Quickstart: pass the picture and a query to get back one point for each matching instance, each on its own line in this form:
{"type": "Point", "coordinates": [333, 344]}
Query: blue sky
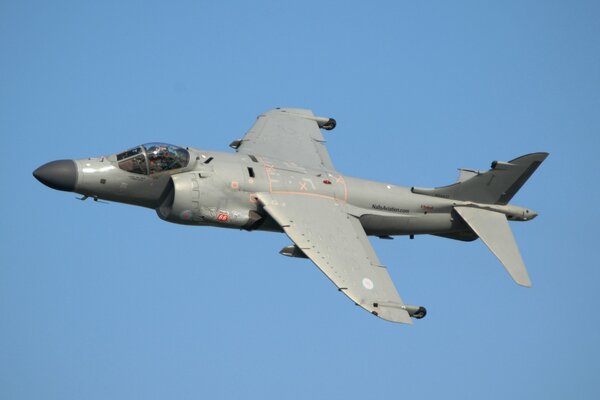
{"type": "Point", "coordinates": [105, 301]}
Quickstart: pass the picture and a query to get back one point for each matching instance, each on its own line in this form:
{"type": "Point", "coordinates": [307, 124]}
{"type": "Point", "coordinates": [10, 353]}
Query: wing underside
{"type": "Point", "coordinates": [338, 245]}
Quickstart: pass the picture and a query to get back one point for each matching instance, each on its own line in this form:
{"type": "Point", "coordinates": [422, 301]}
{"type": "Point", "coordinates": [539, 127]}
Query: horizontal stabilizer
{"type": "Point", "coordinates": [493, 229]}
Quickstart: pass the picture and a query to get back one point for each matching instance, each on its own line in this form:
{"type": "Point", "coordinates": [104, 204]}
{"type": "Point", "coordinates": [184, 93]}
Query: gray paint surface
{"type": "Point", "coordinates": [282, 179]}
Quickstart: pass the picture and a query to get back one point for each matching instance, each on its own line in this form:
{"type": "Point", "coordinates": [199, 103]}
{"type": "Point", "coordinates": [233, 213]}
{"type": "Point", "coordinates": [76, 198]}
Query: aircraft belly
{"type": "Point", "coordinates": [380, 225]}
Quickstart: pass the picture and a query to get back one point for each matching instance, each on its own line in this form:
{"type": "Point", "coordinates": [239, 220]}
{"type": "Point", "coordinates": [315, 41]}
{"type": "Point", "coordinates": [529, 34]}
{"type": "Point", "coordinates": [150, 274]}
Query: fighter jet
{"type": "Point", "coordinates": [282, 179]}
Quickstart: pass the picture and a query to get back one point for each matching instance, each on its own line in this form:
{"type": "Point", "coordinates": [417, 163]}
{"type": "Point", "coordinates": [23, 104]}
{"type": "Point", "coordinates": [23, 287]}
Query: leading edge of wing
{"type": "Point", "coordinates": [338, 245]}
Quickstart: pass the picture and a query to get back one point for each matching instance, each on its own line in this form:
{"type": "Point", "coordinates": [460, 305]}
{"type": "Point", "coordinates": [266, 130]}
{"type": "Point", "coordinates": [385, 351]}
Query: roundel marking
{"type": "Point", "coordinates": [367, 283]}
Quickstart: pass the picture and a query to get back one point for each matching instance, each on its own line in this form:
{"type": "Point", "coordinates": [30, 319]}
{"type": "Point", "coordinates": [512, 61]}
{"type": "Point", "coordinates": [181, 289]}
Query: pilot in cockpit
{"type": "Point", "coordinates": [159, 157]}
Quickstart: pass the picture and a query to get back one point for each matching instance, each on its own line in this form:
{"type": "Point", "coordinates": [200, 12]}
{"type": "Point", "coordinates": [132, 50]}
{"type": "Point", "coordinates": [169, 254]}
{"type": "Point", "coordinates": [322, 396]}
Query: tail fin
{"type": "Point", "coordinates": [495, 186]}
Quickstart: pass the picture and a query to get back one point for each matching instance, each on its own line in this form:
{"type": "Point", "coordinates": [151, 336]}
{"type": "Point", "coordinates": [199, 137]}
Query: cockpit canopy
{"type": "Point", "coordinates": [152, 158]}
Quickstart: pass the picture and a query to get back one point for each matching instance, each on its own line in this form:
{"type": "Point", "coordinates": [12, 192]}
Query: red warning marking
{"type": "Point", "coordinates": [327, 181]}
{"type": "Point", "coordinates": [303, 185]}
{"type": "Point", "coordinates": [339, 179]}
{"type": "Point", "coordinates": [234, 185]}
{"type": "Point", "coordinates": [222, 217]}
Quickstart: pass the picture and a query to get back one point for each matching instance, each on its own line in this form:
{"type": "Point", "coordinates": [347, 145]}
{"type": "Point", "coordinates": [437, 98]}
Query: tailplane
{"type": "Point", "coordinates": [492, 228]}
{"type": "Point", "coordinates": [495, 186]}
{"type": "Point", "coordinates": [482, 203]}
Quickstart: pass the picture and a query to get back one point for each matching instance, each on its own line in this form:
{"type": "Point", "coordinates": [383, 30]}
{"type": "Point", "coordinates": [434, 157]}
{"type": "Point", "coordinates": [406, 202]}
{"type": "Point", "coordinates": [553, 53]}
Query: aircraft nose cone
{"type": "Point", "coordinates": [59, 175]}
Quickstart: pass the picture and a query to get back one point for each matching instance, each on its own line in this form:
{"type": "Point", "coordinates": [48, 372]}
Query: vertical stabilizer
{"type": "Point", "coordinates": [492, 227]}
{"type": "Point", "coordinates": [495, 186]}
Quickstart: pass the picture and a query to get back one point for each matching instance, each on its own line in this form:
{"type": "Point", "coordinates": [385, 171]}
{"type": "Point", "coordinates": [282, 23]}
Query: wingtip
{"type": "Point", "coordinates": [520, 275]}
{"type": "Point", "coordinates": [393, 315]}
{"type": "Point", "coordinates": [526, 284]}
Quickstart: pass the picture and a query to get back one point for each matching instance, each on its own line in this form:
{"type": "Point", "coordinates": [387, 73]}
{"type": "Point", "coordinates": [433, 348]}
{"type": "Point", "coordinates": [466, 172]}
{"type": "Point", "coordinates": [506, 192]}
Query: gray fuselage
{"type": "Point", "coordinates": [217, 189]}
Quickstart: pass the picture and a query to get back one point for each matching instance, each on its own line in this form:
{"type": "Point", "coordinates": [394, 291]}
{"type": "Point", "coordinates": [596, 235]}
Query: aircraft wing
{"type": "Point", "coordinates": [291, 135]}
{"type": "Point", "coordinates": [337, 243]}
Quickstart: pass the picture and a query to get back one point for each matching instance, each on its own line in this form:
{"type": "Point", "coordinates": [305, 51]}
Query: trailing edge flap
{"type": "Point", "coordinates": [493, 229]}
{"type": "Point", "coordinates": [338, 245]}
